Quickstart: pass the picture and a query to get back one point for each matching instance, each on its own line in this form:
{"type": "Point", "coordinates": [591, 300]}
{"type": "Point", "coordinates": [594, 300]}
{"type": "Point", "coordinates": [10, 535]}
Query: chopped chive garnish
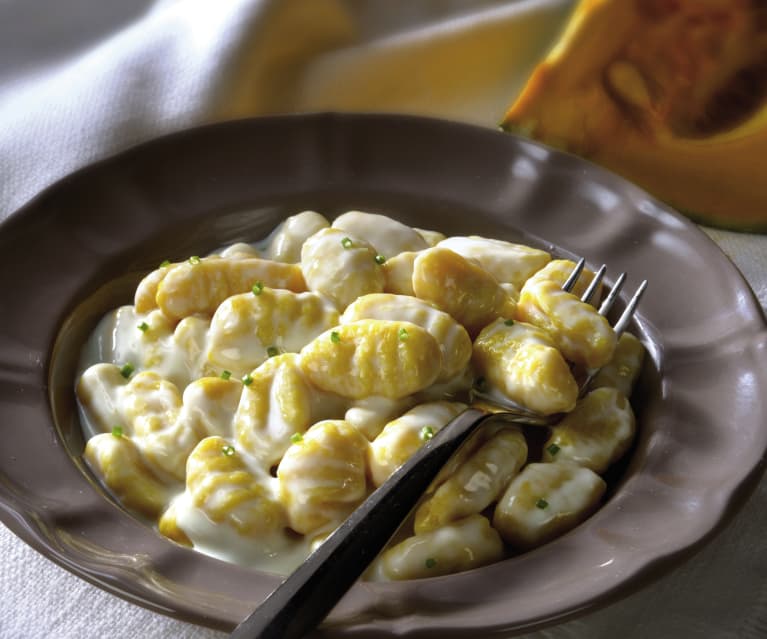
{"type": "Point", "coordinates": [347, 242]}
{"type": "Point", "coordinates": [272, 351]}
{"type": "Point", "coordinates": [195, 259]}
{"type": "Point", "coordinates": [427, 432]}
{"type": "Point", "coordinates": [258, 288]}
{"type": "Point", "coordinates": [143, 327]}
{"type": "Point", "coordinates": [127, 370]}
{"type": "Point", "coordinates": [296, 438]}
{"type": "Point", "coordinates": [117, 431]}
{"type": "Point", "coordinates": [380, 259]}
{"type": "Point", "coordinates": [164, 263]}
{"type": "Point", "coordinates": [403, 335]}
{"type": "Point", "coordinates": [553, 449]}
{"type": "Point", "coordinates": [430, 562]}
{"type": "Point", "coordinates": [247, 379]}
{"type": "Point", "coordinates": [542, 503]}
{"type": "Point", "coordinates": [335, 337]}
{"type": "Point", "coordinates": [509, 322]}
{"type": "Point", "coordinates": [226, 374]}
{"type": "Point", "coordinates": [227, 450]}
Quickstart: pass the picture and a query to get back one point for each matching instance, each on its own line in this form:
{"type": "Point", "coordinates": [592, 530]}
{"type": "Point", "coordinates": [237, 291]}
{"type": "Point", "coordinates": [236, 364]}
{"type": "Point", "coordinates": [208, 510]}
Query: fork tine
{"type": "Point", "coordinates": [612, 295]}
{"type": "Point", "coordinates": [570, 281]}
{"type": "Point", "coordinates": [628, 312]}
{"type": "Point", "coordinates": [594, 285]}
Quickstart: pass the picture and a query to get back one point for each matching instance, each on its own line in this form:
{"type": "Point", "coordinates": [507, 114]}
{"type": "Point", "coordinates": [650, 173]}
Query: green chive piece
{"type": "Point", "coordinates": [380, 259]}
{"type": "Point", "coordinates": [335, 337]}
{"type": "Point", "coordinates": [403, 335]}
{"type": "Point", "coordinates": [143, 327]}
{"type": "Point", "coordinates": [195, 259]}
{"type": "Point", "coordinates": [553, 449]}
{"type": "Point", "coordinates": [117, 431]}
{"type": "Point", "coordinates": [509, 322]}
{"type": "Point", "coordinates": [542, 503]}
{"type": "Point", "coordinates": [226, 374]}
{"type": "Point", "coordinates": [127, 370]}
{"type": "Point", "coordinates": [272, 351]}
{"type": "Point", "coordinates": [296, 438]}
{"type": "Point", "coordinates": [430, 562]}
{"type": "Point", "coordinates": [347, 242]}
{"type": "Point", "coordinates": [427, 432]}
{"type": "Point", "coordinates": [258, 288]}
{"type": "Point", "coordinates": [164, 263]}
{"type": "Point", "coordinates": [247, 379]}
{"type": "Point", "coordinates": [227, 450]}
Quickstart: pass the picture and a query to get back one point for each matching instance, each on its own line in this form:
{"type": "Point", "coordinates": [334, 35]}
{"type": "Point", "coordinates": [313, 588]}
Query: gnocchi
{"type": "Point", "coordinates": [249, 400]}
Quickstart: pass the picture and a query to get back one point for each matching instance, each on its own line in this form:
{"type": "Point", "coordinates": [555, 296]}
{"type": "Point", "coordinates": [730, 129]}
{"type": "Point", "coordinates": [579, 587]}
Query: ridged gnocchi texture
{"type": "Point", "coordinates": [453, 340]}
{"type": "Point", "coordinates": [249, 400]}
{"type": "Point", "coordinates": [462, 545]}
{"type": "Point", "coordinates": [323, 476]}
{"type": "Point", "coordinates": [274, 406]}
{"type": "Point", "coordinates": [544, 501]}
{"type": "Point", "coordinates": [226, 490]}
{"type": "Point", "coordinates": [199, 286]}
{"type": "Point", "coordinates": [579, 331]}
{"type": "Point", "coordinates": [461, 288]}
{"type": "Point", "coordinates": [596, 433]}
{"type": "Point", "coordinates": [118, 461]}
{"type": "Point", "coordinates": [522, 362]}
{"type": "Point", "coordinates": [373, 357]}
{"type": "Point", "coordinates": [246, 329]}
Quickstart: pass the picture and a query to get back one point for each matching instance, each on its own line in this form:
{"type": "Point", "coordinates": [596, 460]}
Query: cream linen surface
{"type": "Point", "coordinates": [83, 79]}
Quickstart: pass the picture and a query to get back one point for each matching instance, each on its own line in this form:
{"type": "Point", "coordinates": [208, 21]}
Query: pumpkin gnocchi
{"type": "Point", "coordinates": [249, 400]}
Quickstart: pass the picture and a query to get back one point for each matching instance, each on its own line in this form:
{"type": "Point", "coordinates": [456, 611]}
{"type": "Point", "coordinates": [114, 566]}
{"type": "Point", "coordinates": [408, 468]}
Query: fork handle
{"type": "Point", "coordinates": [304, 599]}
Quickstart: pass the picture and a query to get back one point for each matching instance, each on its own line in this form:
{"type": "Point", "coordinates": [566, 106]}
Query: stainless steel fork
{"type": "Point", "coordinates": [304, 599]}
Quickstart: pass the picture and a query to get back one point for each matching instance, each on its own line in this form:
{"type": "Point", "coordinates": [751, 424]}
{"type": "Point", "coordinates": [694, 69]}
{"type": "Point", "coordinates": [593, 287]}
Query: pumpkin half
{"type": "Point", "coordinates": [672, 94]}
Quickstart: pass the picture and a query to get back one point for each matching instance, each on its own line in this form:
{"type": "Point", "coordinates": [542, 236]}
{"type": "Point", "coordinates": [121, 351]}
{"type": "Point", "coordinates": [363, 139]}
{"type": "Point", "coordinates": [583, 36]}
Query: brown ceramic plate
{"type": "Point", "coordinates": [81, 247]}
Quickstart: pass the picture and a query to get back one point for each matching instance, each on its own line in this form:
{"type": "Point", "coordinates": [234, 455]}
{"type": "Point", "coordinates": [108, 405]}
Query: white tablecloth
{"type": "Point", "coordinates": [82, 79]}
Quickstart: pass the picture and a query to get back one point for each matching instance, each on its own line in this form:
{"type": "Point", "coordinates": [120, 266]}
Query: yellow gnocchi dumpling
{"type": "Point", "coordinates": [559, 271]}
{"type": "Point", "coordinates": [246, 329]}
{"type": "Point", "coordinates": [403, 436]}
{"type": "Point", "coordinates": [462, 545]}
{"type": "Point", "coordinates": [431, 237]}
{"type": "Point", "coordinates": [146, 408]}
{"type": "Point", "coordinates": [623, 369]}
{"type": "Point", "coordinates": [505, 261]}
{"type": "Point", "coordinates": [579, 331]}
{"type": "Point", "coordinates": [453, 340]}
{"type": "Point", "coordinates": [398, 273]}
{"type": "Point", "coordinates": [118, 462]}
{"type": "Point", "coordinates": [545, 501]}
{"type": "Point", "coordinates": [222, 486]}
{"type": "Point", "coordinates": [387, 235]}
{"type": "Point", "coordinates": [596, 433]}
{"type": "Point", "coordinates": [476, 483]}
{"type": "Point", "coordinates": [198, 286]}
{"type": "Point", "coordinates": [372, 357]}
{"type": "Point", "coordinates": [286, 242]}
{"type": "Point", "coordinates": [274, 405]}
{"type": "Point", "coordinates": [461, 288]}
{"type": "Point", "coordinates": [340, 266]}
{"type": "Point", "coordinates": [521, 362]}
{"type": "Point", "coordinates": [322, 476]}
